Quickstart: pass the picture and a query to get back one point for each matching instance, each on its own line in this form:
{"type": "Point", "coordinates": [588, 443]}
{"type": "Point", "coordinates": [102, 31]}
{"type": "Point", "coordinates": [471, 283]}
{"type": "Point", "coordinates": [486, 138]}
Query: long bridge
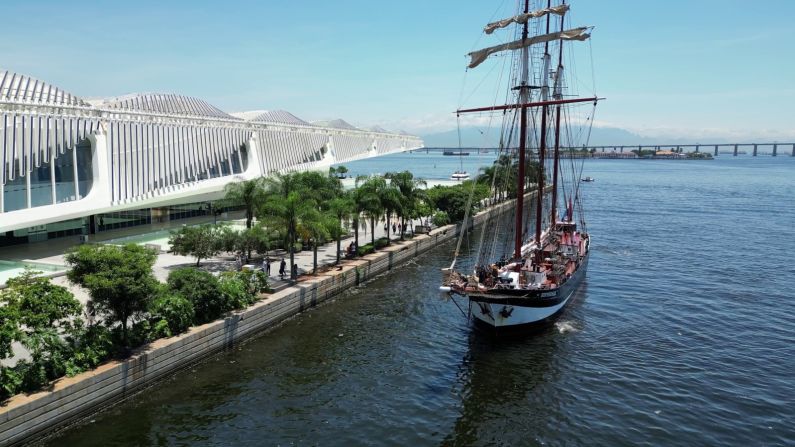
{"type": "Point", "coordinates": [733, 148]}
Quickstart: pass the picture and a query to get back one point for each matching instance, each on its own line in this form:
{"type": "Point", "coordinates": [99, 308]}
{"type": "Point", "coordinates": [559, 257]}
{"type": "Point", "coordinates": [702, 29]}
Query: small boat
{"type": "Point", "coordinates": [589, 179]}
{"type": "Point", "coordinates": [526, 270]}
{"type": "Point", "coordinates": [460, 176]}
{"type": "Point", "coordinates": [459, 153]}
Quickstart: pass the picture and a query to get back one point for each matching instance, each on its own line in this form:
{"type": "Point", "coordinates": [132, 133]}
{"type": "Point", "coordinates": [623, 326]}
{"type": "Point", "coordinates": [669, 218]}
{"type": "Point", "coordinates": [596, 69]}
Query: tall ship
{"type": "Point", "coordinates": [529, 262]}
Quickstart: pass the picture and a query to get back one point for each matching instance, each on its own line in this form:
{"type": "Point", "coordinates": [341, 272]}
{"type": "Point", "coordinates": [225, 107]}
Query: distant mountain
{"type": "Point", "coordinates": [600, 136]}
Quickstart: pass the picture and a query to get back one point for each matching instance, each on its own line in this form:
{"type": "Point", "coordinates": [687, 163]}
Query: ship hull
{"type": "Point", "coordinates": [516, 312]}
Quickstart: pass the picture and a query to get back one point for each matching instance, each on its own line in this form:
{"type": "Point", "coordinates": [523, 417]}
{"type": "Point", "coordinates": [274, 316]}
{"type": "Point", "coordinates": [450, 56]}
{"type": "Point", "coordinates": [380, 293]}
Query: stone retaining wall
{"type": "Point", "coordinates": [25, 417]}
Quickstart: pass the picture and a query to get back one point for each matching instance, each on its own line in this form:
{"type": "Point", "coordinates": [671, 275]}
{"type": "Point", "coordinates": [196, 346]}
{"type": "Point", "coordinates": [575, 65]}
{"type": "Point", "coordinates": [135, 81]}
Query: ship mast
{"type": "Point", "coordinates": [523, 99]}
{"type": "Point", "coordinates": [557, 94]}
{"type": "Point", "coordinates": [542, 147]}
{"type": "Point", "coordinates": [523, 103]}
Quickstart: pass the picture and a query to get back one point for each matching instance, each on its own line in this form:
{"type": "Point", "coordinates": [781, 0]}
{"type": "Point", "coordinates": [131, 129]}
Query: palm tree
{"type": "Point", "coordinates": [343, 208]}
{"type": "Point", "coordinates": [319, 225]}
{"type": "Point", "coordinates": [411, 192]}
{"type": "Point", "coordinates": [391, 202]}
{"type": "Point", "coordinates": [314, 227]}
{"type": "Point", "coordinates": [368, 199]}
{"type": "Point", "coordinates": [248, 193]}
{"type": "Point", "coordinates": [287, 203]}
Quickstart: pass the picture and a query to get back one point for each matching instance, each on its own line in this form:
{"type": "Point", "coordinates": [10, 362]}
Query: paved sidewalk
{"type": "Point", "coordinates": [52, 252]}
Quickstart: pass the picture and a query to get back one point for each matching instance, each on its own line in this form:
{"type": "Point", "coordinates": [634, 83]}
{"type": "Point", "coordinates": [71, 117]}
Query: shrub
{"type": "Point", "coordinates": [171, 314]}
{"type": "Point", "coordinates": [440, 219]}
{"type": "Point", "coordinates": [34, 312]}
{"type": "Point", "coordinates": [235, 292]}
{"type": "Point", "coordinates": [256, 280]}
{"type": "Point", "coordinates": [10, 382]}
{"type": "Point", "coordinates": [201, 289]}
{"type": "Point", "coordinates": [365, 249]}
{"type": "Point", "coordinates": [381, 243]}
{"type": "Point", "coordinates": [91, 346]}
{"type": "Point", "coordinates": [48, 354]}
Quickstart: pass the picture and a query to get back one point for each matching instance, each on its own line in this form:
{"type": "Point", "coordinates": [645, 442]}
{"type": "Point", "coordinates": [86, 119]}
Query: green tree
{"type": "Point", "coordinates": [201, 242]}
{"type": "Point", "coordinates": [369, 200]}
{"type": "Point", "coordinates": [285, 205]}
{"type": "Point", "coordinates": [252, 239]}
{"type": "Point", "coordinates": [411, 192]}
{"type": "Point", "coordinates": [9, 326]}
{"type": "Point", "coordinates": [316, 227]}
{"type": "Point", "coordinates": [118, 279]}
{"type": "Point", "coordinates": [248, 194]}
{"type": "Point", "coordinates": [342, 208]}
{"type": "Point", "coordinates": [440, 219]}
{"type": "Point", "coordinates": [226, 238]}
{"type": "Point", "coordinates": [453, 200]}
{"type": "Point", "coordinates": [322, 225]}
{"type": "Point", "coordinates": [41, 303]}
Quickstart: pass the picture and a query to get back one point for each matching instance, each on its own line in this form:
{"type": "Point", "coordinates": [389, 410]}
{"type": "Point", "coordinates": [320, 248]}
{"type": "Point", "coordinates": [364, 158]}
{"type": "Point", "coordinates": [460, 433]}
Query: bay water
{"type": "Point", "coordinates": [683, 334]}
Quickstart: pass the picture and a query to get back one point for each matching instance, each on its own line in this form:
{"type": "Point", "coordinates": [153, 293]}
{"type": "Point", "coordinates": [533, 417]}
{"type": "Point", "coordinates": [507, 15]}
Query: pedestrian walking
{"type": "Point", "coordinates": [282, 267]}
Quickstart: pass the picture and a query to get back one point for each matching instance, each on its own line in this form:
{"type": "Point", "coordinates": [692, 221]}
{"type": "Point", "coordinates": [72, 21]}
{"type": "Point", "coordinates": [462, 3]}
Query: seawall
{"type": "Point", "coordinates": [24, 418]}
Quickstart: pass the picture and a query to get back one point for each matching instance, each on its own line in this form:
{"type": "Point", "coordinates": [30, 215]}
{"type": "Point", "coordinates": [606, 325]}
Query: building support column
{"type": "Point", "coordinates": [74, 170]}
{"type": "Point", "coordinates": [53, 183]}
{"type": "Point", "coordinates": [27, 190]}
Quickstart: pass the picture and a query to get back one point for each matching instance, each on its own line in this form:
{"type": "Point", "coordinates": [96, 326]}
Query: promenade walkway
{"type": "Point", "coordinates": [53, 252]}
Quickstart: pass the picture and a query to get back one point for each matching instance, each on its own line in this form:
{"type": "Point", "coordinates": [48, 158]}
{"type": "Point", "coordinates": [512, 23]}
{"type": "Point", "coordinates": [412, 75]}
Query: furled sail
{"type": "Point", "coordinates": [523, 18]}
{"type": "Point", "coordinates": [573, 34]}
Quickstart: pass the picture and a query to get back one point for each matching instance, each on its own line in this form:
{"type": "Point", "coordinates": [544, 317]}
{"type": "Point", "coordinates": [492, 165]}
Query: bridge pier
{"type": "Point", "coordinates": [716, 150]}
{"type": "Point", "coordinates": [622, 149]}
{"type": "Point", "coordinates": [775, 149]}
{"type": "Point", "coordinates": [735, 149]}
{"type": "Point", "coordinates": [793, 150]}
{"type": "Point", "coordinates": [696, 148]}
{"type": "Point", "coordinates": [755, 150]}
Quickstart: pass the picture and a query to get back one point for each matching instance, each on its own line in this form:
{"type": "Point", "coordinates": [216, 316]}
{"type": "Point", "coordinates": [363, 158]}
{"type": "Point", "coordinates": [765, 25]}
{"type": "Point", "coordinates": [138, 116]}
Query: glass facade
{"type": "Point", "coordinates": [56, 178]}
{"type": "Point", "coordinates": [85, 175]}
{"type": "Point", "coordinates": [15, 194]}
{"type": "Point", "coordinates": [41, 186]}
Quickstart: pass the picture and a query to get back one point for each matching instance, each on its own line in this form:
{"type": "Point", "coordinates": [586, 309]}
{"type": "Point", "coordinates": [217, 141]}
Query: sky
{"type": "Point", "coordinates": [693, 69]}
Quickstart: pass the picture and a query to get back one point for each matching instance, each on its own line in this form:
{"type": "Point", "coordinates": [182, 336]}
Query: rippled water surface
{"type": "Point", "coordinates": [682, 334]}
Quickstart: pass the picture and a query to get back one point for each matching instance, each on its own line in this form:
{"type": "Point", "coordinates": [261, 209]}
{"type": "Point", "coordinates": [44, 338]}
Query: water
{"type": "Point", "coordinates": [11, 269]}
{"type": "Point", "coordinates": [682, 334]}
{"type": "Point", "coordinates": [433, 166]}
{"type": "Point", "coordinates": [159, 237]}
